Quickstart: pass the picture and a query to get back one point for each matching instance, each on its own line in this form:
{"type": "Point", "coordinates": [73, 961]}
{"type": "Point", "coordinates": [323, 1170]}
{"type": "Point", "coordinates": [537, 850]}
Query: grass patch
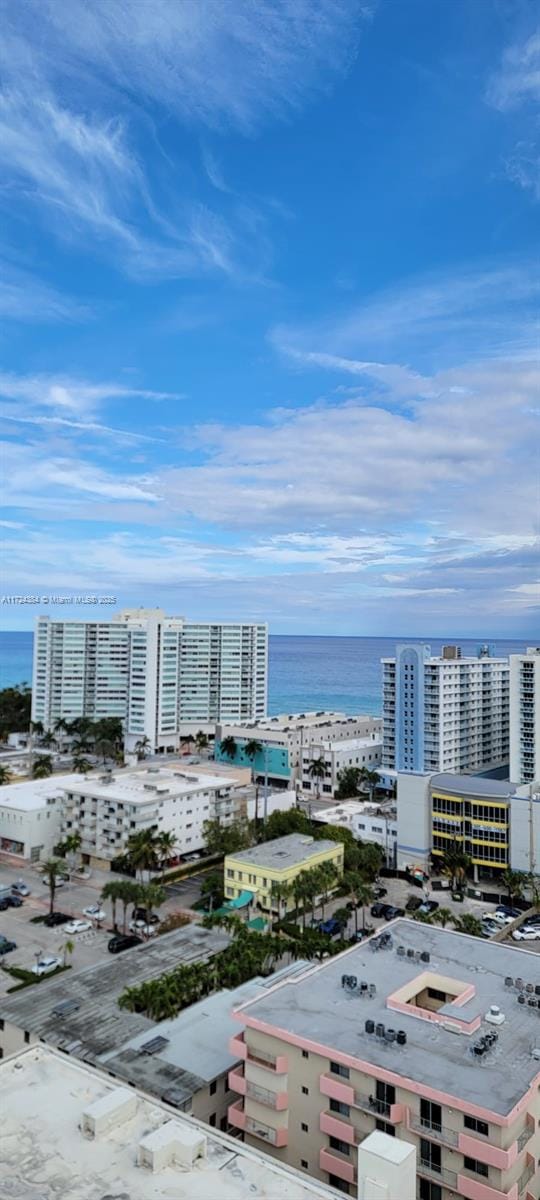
{"type": "Point", "coordinates": [37, 920]}
{"type": "Point", "coordinates": [27, 978]}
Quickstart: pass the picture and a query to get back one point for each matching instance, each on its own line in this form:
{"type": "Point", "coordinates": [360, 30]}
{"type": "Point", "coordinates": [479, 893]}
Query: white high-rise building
{"type": "Point", "coordinates": [525, 716]}
{"type": "Point", "coordinates": [162, 676]}
{"type": "Point", "coordinates": [445, 712]}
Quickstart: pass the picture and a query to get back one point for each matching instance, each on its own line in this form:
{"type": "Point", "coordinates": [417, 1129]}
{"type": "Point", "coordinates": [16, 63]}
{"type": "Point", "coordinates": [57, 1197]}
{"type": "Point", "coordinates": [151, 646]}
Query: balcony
{"type": "Point", "coordinates": [378, 1108]}
{"type": "Point", "coordinates": [470, 1186]}
{"type": "Point", "coordinates": [277, 1100]}
{"type": "Point", "coordinates": [527, 1174]}
{"type": "Point", "coordinates": [440, 1174]}
{"type": "Point", "coordinates": [337, 1164]}
{"type": "Point", "coordinates": [339, 1127]}
{"type": "Point", "coordinates": [525, 1137]}
{"type": "Point", "coordinates": [237, 1046]}
{"type": "Point", "coordinates": [237, 1081]}
{"type": "Point", "coordinates": [271, 1062]}
{"type": "Point", "coordinates": [236, 1115]}
{"type": "Point", "coordinates": [273, 1137]}
{"type": "Point", "coordinates": [434, 1133]}
{"type": "Point", "coordinates": [336, 1088]}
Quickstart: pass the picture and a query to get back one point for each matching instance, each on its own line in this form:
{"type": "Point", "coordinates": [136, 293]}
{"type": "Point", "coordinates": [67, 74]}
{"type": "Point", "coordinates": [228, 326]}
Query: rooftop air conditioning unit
{"type": "Point", "coordinates": [110, 1110]}
{"type": "Point", "coordinates": [495, 1016]}
{"type": "Point", "coordinates": [172, 1143]}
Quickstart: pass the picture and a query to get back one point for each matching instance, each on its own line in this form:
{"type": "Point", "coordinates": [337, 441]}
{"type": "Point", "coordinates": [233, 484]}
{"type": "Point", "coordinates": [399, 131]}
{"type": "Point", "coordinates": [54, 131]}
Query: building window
{"type": "Point", "coordinates": [304, 1127]}
{"type": "Point", "coordinates": [304, 1163]}
{"type": "Point", "coordinates": [339, 1107]}
{"type": "Point", "coordinates": [223, 1124]}
{"type": "Point", "coordinates": [476, 1125]}
{"type": "Point", "coordinates": [338, 1183]}
{"type": "Point", "coordinates": [213, 1087]}
{"type": "Point", "coordinates": [429, 1191]}
{"type": "Point", "coordinates": [305, 1091]}
{"type": "Point", "coordinates": [385, 1127]}
{"type": "Point", "coordinates": [305, 1053]}
{"type": "Point", "coordinates": [472, 1164]}
{"type": "Point", "coordinates": [230, 874]}
{"type": "Point", "coordinates": [339, 1069]}
{"type": "Point", "coordinates": [338, 1144]}
{"type": "Point", "coordinates": [26, 1037]}
{"type": "Point", "coordinates": [212, 1119]}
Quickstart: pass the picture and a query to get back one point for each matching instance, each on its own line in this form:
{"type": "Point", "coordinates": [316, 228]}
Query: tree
{"type": "Point", "coordinates": [166, 846]}
{"type": "Point", "coordinates": [456, 864]}
{"type": "Point", "coordinates": [442, 916]}
{"type": "Point", "coordinates": [279, 824]}
{"type": "Point", "coordinates": [212, 893]}
{"type": "Point", "coordinates": [129, 893]}
{"type": "Point", "coordinates": [142, 850]}
{"type": "Point", "coordinates": [15, 707]}
{"type": "Point", "coordinates": [370, 779]}
{"type": "Point", "coordinates": [281, 893]}
{"type": "Point", "coordinates": [81, 764]}
{"type": "Point", "coordinates": [326, 877]}
{"type": "Point", "coordinates": [201, 740]}
{"type": "Point", "coordinates": [317, 770]}
{"type": "Point", "coordinates": [149, 896]}
{"type": "Point", "coordinates": [228, 747]}
{"type": "Point", "coordinates": [141, 747]}
{"type": "Point", "coordinates": [113, 891]}
{"type": "Point", "coordinates": [348, 783]}
{"type": "Point", "coordinates": [51, 869]}
{"type": "Point", "coordinates": [251, 749]}
{"type": "Point", "coordinates": [68, 948]}
{"type": "Point", "coordinates": [468, 924]}
{"type": "Point", "coordinates": [48, 739]}
{"type": "Point", "coordinates": [341, 915]}
{"type": "Point", "coordinates": [43, 767]}
{"type": "Point", "coordinates": [226, 839]}
{"type": "Point", "coordinates": [105, 749]}
{"type": "Point", "coordinates": [358, 888]}
{"type": "Point", "coordinates": [514, 882]}
{"type": "Point", "coordinates": [72, 843]}
{"type": "Point", "coordinates": [370, 859]}
{"type": "Point", "coordinates": [5, 775]}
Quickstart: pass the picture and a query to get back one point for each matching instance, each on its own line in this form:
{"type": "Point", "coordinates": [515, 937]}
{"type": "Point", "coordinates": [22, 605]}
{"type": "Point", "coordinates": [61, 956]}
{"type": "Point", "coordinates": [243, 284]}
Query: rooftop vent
{"type": "Point", "coordinates": [110, 1110]}
{"type": "Point", "coordinates": [509, 982]}
{"type": "Point", "coordinates": [536, 1053]}
{"type": "Point", "coordinates": [170, 1144]}
{"type": "Point", "coordinates": [154, 1045]}
{"type": "Point", "coordinates": [64, 1007]}
{"type": "Point", "coordinates": [495, 1016]}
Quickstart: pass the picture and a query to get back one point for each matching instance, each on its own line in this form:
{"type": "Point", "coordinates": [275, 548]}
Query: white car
{"type": "Point", "coordinates": [526, 935]}
{"type": "Point", "coordinates": [77, 926]}
{"type": "Point", "coordinates": [142, 927]}
{"type": "Point", "coordinates": [45, 965]}
{"type": "Point", "coordinates": [94, 912]}
{"type": "Point", "coordinates": [500, 917]}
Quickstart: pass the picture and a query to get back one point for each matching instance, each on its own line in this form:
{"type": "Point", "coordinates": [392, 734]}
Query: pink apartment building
{"type": "Point", "coordinates": [433, 1038]}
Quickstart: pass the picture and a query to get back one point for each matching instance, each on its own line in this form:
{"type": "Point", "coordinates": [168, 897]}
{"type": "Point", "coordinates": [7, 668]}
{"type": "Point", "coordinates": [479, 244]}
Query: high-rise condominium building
{"type": "Point", "coordinates": [430, 1037]}
{"type": "Point", "coordinates": [525, 716]}
{"type": "Point", "coordinates": [162, 676]}
{"type": "Point", "coordinates": [445, 712]}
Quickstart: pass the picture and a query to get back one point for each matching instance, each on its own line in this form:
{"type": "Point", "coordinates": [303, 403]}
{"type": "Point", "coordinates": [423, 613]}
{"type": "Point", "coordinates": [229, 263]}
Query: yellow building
{"type": "Point", "coordinates": [280, 861]}
{"type": "Point", "coordinates": [474, 813]}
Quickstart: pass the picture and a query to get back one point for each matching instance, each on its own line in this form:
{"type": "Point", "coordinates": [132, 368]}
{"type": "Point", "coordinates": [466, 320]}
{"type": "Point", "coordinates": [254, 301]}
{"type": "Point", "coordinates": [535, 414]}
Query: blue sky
{"type": "Point", "coordinates": [269, 309]}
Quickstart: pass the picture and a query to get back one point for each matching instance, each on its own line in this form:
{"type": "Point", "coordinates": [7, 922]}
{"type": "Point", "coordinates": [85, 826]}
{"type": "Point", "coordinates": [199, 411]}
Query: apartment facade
{"type": "Point", "coordinates": [367, 823]}
{"type": "Point", "coordinates": [251, 873]}
{"type": "Point", "coordinates": [107, 808]}
{"type": "Point", "coordinates": [285, 738]}
{"type": "Point", "coordinates": [363, 753]}
{"type": "Point", "coordinates": [31, 816]}
{"type": "Point", "coordinates": [525, 716]}
{"type": "Point", "coordinates": [445, 712]}
{"type": "Point", "coordinates": [163, 677]}
{"type": "Point", "coordinates": [413, 1040]}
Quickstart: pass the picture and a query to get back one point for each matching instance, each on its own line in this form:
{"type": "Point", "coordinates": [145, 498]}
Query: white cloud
{"type": "Point", "coordinates": [23, 297]}
{"type": "Point", "coordinates": [518, 78]}
{"type": "Point", "coordinates": [37, 483]}
{"type": "Point", "coordinates": [67, 396]}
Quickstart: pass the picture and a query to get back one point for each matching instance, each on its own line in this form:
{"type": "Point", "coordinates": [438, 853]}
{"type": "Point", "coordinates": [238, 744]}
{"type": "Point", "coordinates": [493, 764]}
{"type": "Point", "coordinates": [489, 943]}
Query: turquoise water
{"type": "Point", "coordinates": [304, 672]}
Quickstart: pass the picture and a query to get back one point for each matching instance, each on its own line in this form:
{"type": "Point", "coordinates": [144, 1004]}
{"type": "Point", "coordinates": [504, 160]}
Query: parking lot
{"type": "Point", "coordinates": [90, 947]}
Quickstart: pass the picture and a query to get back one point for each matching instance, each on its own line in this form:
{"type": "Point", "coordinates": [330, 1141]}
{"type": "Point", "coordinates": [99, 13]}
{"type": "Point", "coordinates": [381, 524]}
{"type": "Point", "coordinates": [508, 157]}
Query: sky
{"type": "Point", "coordinates": [269, 312]}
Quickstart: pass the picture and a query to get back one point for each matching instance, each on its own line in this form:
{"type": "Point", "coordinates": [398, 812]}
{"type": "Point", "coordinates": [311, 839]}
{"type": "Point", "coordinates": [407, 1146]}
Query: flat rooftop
{"type": "Point", "coordinates": [289, 722]}
{"type": "Point", "coordinates": [32, 794]}
{"type": "Point", "coordinates": [474, 785]}
{"type": "Point", "coordinates": [43, 1096]}
{"type": "Point", "coordinates": [197, 1040]}
{"type": "Point", "coordinates": [317, 1007]}
{"type": "Point", "coordinates": [352, 743]}
{"type": "Point", "coordinates": [354, 808]}
{"type": "Point", "coordinates": [145, 784]}
{"type": "Point", "coordinates": [98, 1025]}
{"type": "Point", "coordinates": [282, 853]}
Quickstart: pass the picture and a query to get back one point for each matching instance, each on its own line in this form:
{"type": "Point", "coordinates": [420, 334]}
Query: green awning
{"type": "Point", "coordinates": [241, 901]}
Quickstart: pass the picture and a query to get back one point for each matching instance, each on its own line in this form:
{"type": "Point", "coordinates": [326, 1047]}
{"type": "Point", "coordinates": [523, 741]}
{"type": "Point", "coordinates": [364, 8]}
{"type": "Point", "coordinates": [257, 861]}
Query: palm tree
{"type": "Point", "coordinates": [468, 924]}
{"type": "Point", "coordinates": [72, 843]}
{"type": "Point", "coordinates": [326, 874]}
{"type": "Point", "coordinates": [141, 747]}
{"type": "Point", "coordinates": [47, 739]}
{"type": "Point", "coordinates": [105, 748]}
{"type": "Point", "coordinates": [251, 749]}
{"type": "Point", "coordinates": [229, 747]}
{"type": "Point", "coordinates": [370, 779]}
{"type": "Point", "coordinates": [149, 896]}
{"type": "Point", "coordinates": [68, 948]}
{"type": "Point", "coordinates": [5, 775]}
{"type": "Point", "coordinates": [128, 893]}
{"type": "Point", "coordinates": [81, 764]}
{"type": "Point", "coordinates": [50, 870]}
{"type": "Point", "coordinates": [113, 892]}
{"type": "Point", "coordinates": [166, 845]}
{"type": "Point", "coordinates": [317, 770]}
{"type": "Point", "coordinates": [514, 883]}
{"type": "Point", "coordinates": [36, 727]}
{"type": "Point", "coordinates": [281, 893]}
{"type": "Point", "coordinates": [456, 864]}
{"type": "Point", "coordinates": [442, 916]}
{"type": "Point", "coordinates": [361, 892]}
{"type": "Point", "coordinates": [43, 767]}
{"type": "Point", "coordinates": [201, 740]}
{"type": "Point", "coordinates": [142, 850]}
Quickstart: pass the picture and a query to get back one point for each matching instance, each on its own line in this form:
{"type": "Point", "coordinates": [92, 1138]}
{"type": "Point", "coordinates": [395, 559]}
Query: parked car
{"type": "Point", "coordinates": [330, 926]}
{"type": "Point", "coordinates": [123, 941]}
{"type": "Point", "coordinates": [142, 914]}
{"type": "Point", "coordinates": [142, 927]}
{"type": "Point", "coordinates": [6, 945]}
{"type": "Point", "coordinates": [379, 892]}
{"type": "Point", "coordinates": [413, 904]}
{"type": "Point", "coordinates": [56, 918]}
{"type": "Point", "coordinates": [20, 888]}
{"type": "Point", "coordinates": [4, 904]}
{"type": "Point", "coordinates": [46, 964]}
{"type": "Point", "coordinates": [392, 912]}
{"type": "Point", "coordinates": [526, 935]}
{"type": "Point", "coordinates": [95, 912]}
{"type": "Point", "coordinates": [77, 926]}
{"type": "Point", "coordinates": [501, 918]}
{"type": "Point", "coordinates": [378, 909]}
{"type": "Point", "coordinates": [14, 901]}
{"type": "Point", "coordinates": [428, 907]}
{"type": "Point", "coordinates": [508, 910]}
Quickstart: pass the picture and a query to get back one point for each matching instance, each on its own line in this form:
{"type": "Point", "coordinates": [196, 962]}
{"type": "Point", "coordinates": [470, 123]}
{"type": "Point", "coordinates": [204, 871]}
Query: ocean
{"type": "Point", "coordinates": [313, 673]}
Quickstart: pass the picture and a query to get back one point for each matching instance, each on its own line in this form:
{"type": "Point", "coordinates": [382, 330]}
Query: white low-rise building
{"type": "Point", "coordinates": [367, 823]}
{"type": "Point", "coordinates": [283, 739]}
{"type": "Point", "coordinates": [107, 808]}
{"type": "Point", "coordinates": [361, 752]}
{"type": "Point", "coordinates": [31, 816]}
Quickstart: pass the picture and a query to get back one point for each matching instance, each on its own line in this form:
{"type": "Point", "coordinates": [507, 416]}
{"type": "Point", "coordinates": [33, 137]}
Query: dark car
{"type": "Point", "coordinates": [429, 906]}
{"type": "Point", "coordinates": [330, 926]}
{"type": "Point", "coordinates": [413, 903]}
{"type": "Point", "coordinates": [14, 901]}
{"type": "Point", "coordinates": [56, 918]}
{"type": "Point", "coordinates": [4, 904]}
{"type": "Point", "coordinates": [123, 941]}
{"type": "Point", "coordinates": [392, 912]}
{"type": "Point", "coordinates": [380, 910]}
{"type": "Point", "coordinates": [379, 892]}
{"type": "Point", "coordinates": [6, 945]}
{"type": "Point", "coordinates": [142, 914]}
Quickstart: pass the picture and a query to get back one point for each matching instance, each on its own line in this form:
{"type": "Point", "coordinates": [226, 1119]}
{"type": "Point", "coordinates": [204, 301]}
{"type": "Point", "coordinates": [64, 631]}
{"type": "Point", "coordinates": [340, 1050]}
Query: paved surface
{"type": "Point", "coordinates": [91, 947]}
